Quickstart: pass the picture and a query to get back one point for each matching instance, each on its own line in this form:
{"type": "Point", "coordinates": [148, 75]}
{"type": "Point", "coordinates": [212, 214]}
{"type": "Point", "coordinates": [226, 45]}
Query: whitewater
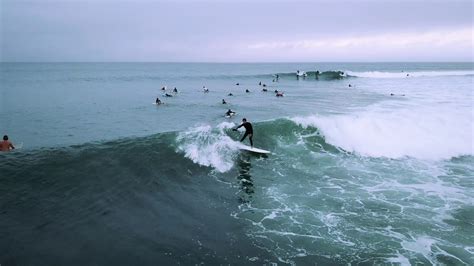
{"type": "Point", "coordinates": [371, 163]}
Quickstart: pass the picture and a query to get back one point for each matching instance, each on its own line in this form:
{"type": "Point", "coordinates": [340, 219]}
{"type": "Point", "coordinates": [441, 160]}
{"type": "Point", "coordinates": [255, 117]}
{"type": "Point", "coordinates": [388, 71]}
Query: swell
{"type": "Point", "coordinates": [198, 149]}
{"type": "Point", "coordinates": [119, 202]}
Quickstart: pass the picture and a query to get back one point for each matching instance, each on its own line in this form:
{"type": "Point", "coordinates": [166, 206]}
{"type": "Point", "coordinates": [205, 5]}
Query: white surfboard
{"type": "Point", "coordinates": [255, 150]}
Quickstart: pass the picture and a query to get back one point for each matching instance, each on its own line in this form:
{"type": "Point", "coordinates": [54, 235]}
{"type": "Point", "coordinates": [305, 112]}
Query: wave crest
{"type": "Point", "coordinates": [209, 146]}
{"type": "Point", "coordinates": [425, 133]}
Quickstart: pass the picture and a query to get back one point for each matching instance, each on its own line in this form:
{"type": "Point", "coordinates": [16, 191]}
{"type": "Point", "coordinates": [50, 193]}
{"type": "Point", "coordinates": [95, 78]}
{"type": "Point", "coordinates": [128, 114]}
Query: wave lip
{"type": "Point", "coordinates": [381, 74]}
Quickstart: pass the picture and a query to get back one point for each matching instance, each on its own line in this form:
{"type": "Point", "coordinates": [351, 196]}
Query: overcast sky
{"type": "Point", "coordinates": [236, 31]}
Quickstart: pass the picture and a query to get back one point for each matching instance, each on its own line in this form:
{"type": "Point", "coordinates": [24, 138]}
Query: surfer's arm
{"type": "Point", "coordinates": [235, 129]}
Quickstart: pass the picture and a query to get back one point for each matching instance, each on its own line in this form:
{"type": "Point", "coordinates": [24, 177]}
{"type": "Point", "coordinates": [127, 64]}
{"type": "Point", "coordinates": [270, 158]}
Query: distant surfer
{"type": "Point", "coordinates": [163, 88]}
{"type": "Point", "coordinates": [279, 94]}
{"type": "Point", "coordinates": [276, 91]}
{"type": "Point", "coordinates": [248, 130]}
{"type": "Point", "coordinates": [317, 74]}
{"type": "Point", "coordinates": [158, 101]}
{"type": "Point", "coordinates": [260, 83]}
{"type": "Point", "coordinates": [230, 94]}
{"type": "Point", "coordinates": [175, 90]}
{"type": "Point", "coordinates": [247, 90]}
{"type": "Point", "coordinates": [237, 84]}
{"type": "Point", "coordinates": [168, 95]}
{"type": "Point", "coordinates": [229, 113]}
{"type": "Point", "coordinates": [223, 101]}
{"type": "Point", "coordinates": [206, 90]}
{"type": "Point", "coordinates": [264, 90]}
{"type": "Point", "coordinates": [6, 145]}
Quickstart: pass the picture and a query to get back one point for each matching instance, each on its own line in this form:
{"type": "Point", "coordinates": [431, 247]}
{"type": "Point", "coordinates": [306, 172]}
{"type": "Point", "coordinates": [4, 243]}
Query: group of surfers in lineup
{"type": "Point", "coordinates": [247, 125]}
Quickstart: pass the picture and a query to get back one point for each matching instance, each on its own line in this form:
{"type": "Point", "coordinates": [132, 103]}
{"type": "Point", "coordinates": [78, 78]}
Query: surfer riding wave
{"type": "Point", "coordinates": [248, 130]}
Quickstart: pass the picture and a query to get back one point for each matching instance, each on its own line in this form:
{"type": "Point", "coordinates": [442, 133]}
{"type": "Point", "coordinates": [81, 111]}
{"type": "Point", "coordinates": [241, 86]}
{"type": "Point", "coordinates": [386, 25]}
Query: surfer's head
{"type": "Point", "coordinates": [244, 119]}
{"type": "Point", "coordinates": [5, 137]}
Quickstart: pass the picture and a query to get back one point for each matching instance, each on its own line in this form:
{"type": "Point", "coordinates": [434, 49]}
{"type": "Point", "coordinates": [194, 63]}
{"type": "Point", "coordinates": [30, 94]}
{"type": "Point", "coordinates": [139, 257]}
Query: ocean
{"type": "Point", "coordinates": [371, 163]}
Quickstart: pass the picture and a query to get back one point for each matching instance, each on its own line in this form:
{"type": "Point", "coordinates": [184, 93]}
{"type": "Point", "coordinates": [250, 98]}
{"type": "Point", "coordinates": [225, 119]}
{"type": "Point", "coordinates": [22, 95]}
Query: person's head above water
{"type": "Point", "coordinates": [5, 137]}
{"type": "Point", "coordinates": [244, 119]}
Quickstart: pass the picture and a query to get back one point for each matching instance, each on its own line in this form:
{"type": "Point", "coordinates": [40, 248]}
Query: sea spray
{"type": "Point", "coordinates": [209, 146]}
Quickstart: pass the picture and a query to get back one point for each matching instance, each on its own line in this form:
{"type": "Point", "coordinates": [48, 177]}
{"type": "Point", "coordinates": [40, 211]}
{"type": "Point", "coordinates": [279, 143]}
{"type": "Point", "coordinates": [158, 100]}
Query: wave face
{"type": "Point", "coordinates": [126, 202]}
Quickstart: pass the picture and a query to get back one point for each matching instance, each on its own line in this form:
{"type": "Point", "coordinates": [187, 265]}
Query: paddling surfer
{"type": "Point", "coordinates": [6, 145]}
{"type": "Point", "coordinates": [248, 130]}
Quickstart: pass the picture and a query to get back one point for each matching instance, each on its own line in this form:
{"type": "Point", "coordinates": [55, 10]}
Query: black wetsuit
{"type": "Point", "coordinates": [248, 132]}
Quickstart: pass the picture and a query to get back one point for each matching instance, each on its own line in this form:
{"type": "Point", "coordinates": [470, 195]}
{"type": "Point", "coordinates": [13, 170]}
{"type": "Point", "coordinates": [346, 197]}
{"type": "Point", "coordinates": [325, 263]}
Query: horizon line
{"type": "Point", "coordinates": [234, 62]}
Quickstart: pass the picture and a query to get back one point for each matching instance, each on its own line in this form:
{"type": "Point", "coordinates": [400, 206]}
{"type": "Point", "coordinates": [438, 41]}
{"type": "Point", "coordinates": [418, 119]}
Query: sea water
{"type": "Point", "coordinates": [372, 163]}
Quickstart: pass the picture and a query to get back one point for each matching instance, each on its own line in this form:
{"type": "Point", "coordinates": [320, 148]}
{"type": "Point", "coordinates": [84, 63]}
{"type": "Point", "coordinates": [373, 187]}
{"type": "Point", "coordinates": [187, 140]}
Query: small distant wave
{"type": "Point", "coordinates": [380, 74]}
{"type": "Point", "coordinates": [315, 75]}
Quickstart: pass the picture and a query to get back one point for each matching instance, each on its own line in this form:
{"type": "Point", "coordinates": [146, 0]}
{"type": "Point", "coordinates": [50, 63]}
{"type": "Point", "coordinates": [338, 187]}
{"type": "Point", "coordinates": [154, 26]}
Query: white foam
{"type": "Point", "coordinates": [421, 245]}
{"type": "Point", "coordinates": [423, 132]}
{"type": "Point", "coordinates": [209, 147]}
{"type": "Point", "coordinates": [380, 74]}
{"type": "Point", "coordinates": [399, 260]}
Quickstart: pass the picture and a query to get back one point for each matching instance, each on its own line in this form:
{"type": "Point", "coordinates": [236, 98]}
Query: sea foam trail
{"type": "Point", "coordinates": [380, 74]}
{"type": "Point", "coordinates": [209, 146]}
{"type": "Point", "coordinates": [431, 133]}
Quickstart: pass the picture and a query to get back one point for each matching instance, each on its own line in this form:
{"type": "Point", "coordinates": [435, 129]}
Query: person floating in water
{"type": "Point", "coordinates": [163, 88]}
{"type": "Point", "coordinates": [276, 91]}
{"type": "Point", "coordinates": [279, 94]}
{"type": "Point", "coordinates": [223, 101]}
{"type": "Point", "coordinates": [237, 84]}
{"type": "Point", "coordinates": [175, 90]}
{"type": "Point", "coordinates": [264, 90]}
{"type": "Point", "coordinates": [6, 145]}
{"type": "Point", "coordinates": [230, 94]}
{"type": "Point", "coordinates": [158, 101]}
{"type": "Point", "coordinates": [247, 91]}
{"type": "Point", "coordinates": [206, 90]}
{"type": "Point", "coordinates": [248, 130]}
{"type": "Point", "coordinates": [229, 113]}
{"type": "Point", "coordinates": [168, 95]}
